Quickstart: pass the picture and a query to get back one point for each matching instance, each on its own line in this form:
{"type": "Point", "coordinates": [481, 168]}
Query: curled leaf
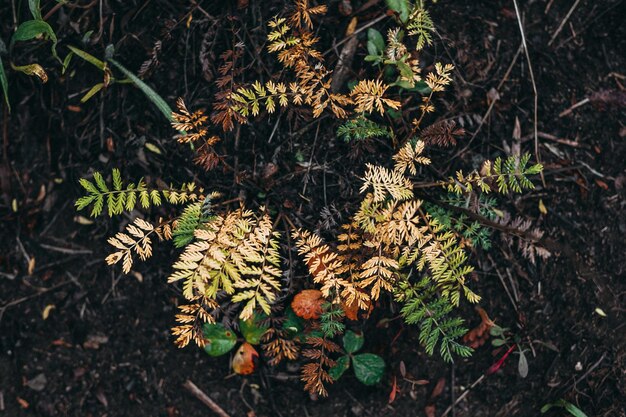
{"type": "Point", "coordinates": [32, 69]}
{"type": "Point", "coordinates": [244, 361]}
{"type": "Point", "coordinates": [308, 304]}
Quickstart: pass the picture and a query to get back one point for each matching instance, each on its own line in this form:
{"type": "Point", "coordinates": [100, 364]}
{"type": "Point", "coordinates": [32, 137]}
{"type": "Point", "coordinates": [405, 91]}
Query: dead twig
{"type": "Point", "coordinates": [565, 19]}
{"type": "Point", "coordinates": [199, 394]}
{"type": "Point", "coordinates": [535, 93]}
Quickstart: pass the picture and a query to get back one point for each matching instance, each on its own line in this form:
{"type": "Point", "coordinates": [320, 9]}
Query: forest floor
{"type": "Point", "coordinates": [104, 348]}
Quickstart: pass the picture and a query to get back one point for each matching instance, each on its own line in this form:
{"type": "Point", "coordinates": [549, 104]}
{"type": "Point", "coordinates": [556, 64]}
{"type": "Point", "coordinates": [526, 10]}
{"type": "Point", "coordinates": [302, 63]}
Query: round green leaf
{"type": "Point", "coordinates": [292, 323]}
{"type": "Point", "coordinates": [251, 330]}
{"type": "Point", "coordinates": [342, 366]}
{"type": "Point", "coordinates": [368, 368]}
{"type": "Point", "coordinates": [352, 341]}
{"type": "Point", "coordinates": [219, 339]}
{"type": "Point", "coordinates": [375, 42]}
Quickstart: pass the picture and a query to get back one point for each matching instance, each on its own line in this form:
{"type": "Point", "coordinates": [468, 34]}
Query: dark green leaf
{"type": "Point", "coordinates": [251, 329]}
{"type": "Point", "coordinates": [372, 58]}
{"type": "Point", "coordinates": [32, 29]}
{"type": "Point", "coordinates": [377, 41]}
{"type": "Point", "coordinates": [422, 87]}
{"type": "Point", "coordinates": [342, 366]}
{"type": "Point", "coordinates": [35, 9]}
{"type": "Point", "coordinates": [368, 368]}
{"type": "Point", "coordinates": [573, 410]}
{"type": "Point", "coordinates": [405, 70]}
{"type": "Point", "coordinates": [404, 84]}
{"type": "Point", "coordinates": [352, 342]}
{"type": "Point", "coordinates": [219, 339]}
{"type": "Point", "coordinates": [496, 330]}
{"type": "Point", "coordinates": [88, 57]}
{"type": "Point", "coordinates": [292, 323]}
{"type": "Point", "coordinates": [5, 85]}
{"type": "Point", "coordinates": [147, 90]}
{"type": "Point", "coordinates": [498, 342]}
{"type": "Point", "coordinates": [394, 5]}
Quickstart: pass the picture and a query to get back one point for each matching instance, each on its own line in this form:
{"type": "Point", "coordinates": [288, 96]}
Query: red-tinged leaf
{"type": "Point", "coordinates": [23, 403]}
{"type": "Point", "coordinates": [394, 390]}
{"type": "Point", "coordinates": [602, 184]}
{"type": "Point", "coordinates": [430, 410]}
{"type": "Point", "coordinates": [244, 361]}
{"type": "Point", "coordinates": [441, 384]}
{"type": "Point", "coordinates": [496, 366]}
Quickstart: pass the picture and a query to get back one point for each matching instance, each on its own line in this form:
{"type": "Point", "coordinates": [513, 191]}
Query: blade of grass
{"type": "Point", "coordinates": [88, 57]}
{"type": "Point", "coordinates": [5, 85]}
{"type": "Point", "coordinates": [146, 89]}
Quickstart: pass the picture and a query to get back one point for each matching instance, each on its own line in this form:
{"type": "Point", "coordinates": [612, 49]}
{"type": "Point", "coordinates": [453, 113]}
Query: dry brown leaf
{"type": "Point", "coordinates": [308, 304]}
{"type": "Point", "coordinates": [479, 334]}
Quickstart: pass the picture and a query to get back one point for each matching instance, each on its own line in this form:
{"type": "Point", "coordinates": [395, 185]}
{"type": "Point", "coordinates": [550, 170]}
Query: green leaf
{"type": "Point", "coordinates": [372, 58]}
{"type": "Point", "coordinates": [352, 342]}
{"type": "Point", "coordinates": [573, 410]}
{"type": "Point", "coordinates": [498, 342]}
{"type": "Point", "coordinates": [32, 29]}
{"type": "Point", "coordinates": [497, 330]}
{"type": "Point", "coordinates": [292, 323]}
{"type": "Point", "coordinates": [404, 69]}
{"type": "Point", "coordinates": [4, 83]}
{"type": "Point", "coordinates": [252, 330]}
{"type": "Point", "coordinates": [343, 363]}
{"type": "Point", "coordinates": [569, 407]}
{"type": "Point", "coordinates": [66, 62]}
{"type": "Point", "coordinates": [35, 9]}
{"type": "Point", "coordinates": [92, 92]}
{"type": "Point", "coordinates": [88, 57]}
{"type": "Point", "coordinates": [376, 39]}
{"type": "Point", "coordinates": [401, 6]}
{"type": "Point", "coordinates": [219, 339]}
{"type": "Point", "coordinates": [368, 368]}
{"type": "Point", "coordinates": [147, 90]}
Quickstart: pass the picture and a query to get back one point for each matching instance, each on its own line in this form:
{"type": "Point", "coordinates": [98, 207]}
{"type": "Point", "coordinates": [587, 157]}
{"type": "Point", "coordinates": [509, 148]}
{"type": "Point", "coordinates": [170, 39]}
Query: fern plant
{"type": "Point", "coordinates": [409, 243]}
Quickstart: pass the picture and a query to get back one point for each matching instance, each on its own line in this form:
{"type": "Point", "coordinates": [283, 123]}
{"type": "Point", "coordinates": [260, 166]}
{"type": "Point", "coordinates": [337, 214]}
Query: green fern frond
{"type": "Point", "coordinates": [331, 320]}
{"type": "Point", "coordinates": [422, 306]}
{"type": "Point", "coordinates": [510, 175]}
{"type": "Point", "coordinates": [421, 25]}
{"type": "Point", "coordinates": [360, 129]}
{"type": "Point", "coordinates": [118, 197]}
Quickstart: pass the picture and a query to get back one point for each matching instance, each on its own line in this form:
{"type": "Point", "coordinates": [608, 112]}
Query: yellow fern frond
{"type": "Point", "coordinates": [368, 97]}
{"type": "Point", "coordinates": [408, 156]}
{"type": "Point", "coordinates": [385, 182]}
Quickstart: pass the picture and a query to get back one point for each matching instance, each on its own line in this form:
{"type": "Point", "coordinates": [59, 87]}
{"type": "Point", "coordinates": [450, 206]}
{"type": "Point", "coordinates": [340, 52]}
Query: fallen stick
{"type": "Point", "coordinates": [199, 394]}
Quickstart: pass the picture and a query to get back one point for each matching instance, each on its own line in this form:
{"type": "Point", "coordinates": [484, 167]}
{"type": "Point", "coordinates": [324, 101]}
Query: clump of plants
{"type": "Point", "coordinates": [409, 242]}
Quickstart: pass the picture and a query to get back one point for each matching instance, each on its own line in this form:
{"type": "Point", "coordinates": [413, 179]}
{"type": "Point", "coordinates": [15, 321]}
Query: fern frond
{"type": "Point", "coordinates": [421, 25]}
{"type": "Point", "coordinates": [235, 253]}
{"type": "Point", "coordinates": [249, 101]}
{"type": "Point", "coordinates": [510, 175]}
{"type": "Point", "coordinates": [360, 129]}
{"type": "Point", "coordinates": [421, 306]}
{"type": "Point", "coordinates": [368, 97]}
{"type": "Point", "coordinates": [136, 240]}
{"type": "Point", "coordinates": [408, 156]}
{"type": "Point", "coordinates": [301, 16]}
{"type": "Point", "coordinates": [386, 183]}
{"type": "Point", "coordinates": [443, 133]}
{"type": "Point", "coordinates": [192, 126]}
{"type": "Point", "coordinates": [314, 374]}
{"type": "Point", "coordinates": [191, 318]}
{"type": "Point", "coordinates": [118, 198]}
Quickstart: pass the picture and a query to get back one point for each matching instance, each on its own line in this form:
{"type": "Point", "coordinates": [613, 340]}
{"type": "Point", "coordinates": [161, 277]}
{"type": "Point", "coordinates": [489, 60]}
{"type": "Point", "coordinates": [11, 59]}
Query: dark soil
{"type": "Point", "coordinates": [105, 348]}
